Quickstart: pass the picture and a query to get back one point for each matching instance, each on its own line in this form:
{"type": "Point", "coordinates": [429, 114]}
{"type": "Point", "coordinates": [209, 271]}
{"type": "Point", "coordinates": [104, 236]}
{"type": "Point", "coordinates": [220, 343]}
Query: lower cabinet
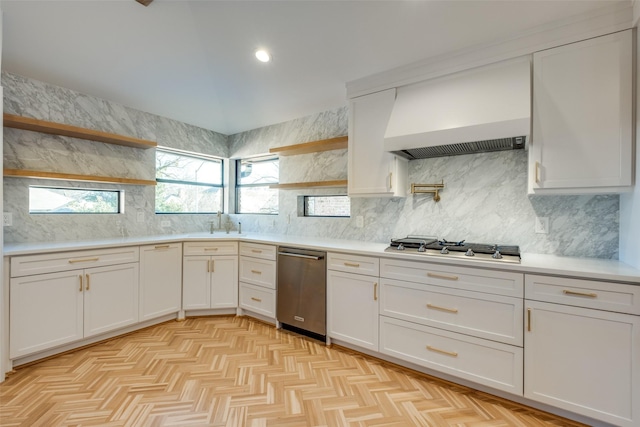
{"type": "Point", "coordinates": [584, 360]}
{"type": "Point", "coordinates": [483, 361]}
{"type": "Point", "coordinates": [257, 279]}
{"type": "Point", "coordinates": [48, 310]}
{"type": "Point", "coordinates": [352, 309]}
{"type": "Point", "coordinates": [258, 299]}
{"type": "Point", "coordinates": [210, 282]}
{"type": "Point", "coordinates": [160, 280]}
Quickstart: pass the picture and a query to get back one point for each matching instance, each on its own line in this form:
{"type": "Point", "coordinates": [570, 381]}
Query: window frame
{"type": "Point", "coordinates": [119, 207]}
{"type": "Point", "coordinates": [304, 205]}
{"type": "Point", "coordinates": [200, 156]}
{"type": "Point", "coordinates": [239, 186]}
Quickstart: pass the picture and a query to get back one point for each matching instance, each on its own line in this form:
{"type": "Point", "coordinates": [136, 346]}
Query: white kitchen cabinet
{"type": "Point", "coordinates": [160, 280]}
{"type": "Point", "coordinates": [352, 309]}
{"type": "Point", "coordinates": [581, 138]}
{"type": "Point", "coordinates": [257, 279]}
{"type": "Point", "coordinates": [583, 360]}
{"type": "Point", "coordinates": [48, 310]}
{"type": "Point", "coordinates": [210, 281]}
{"type": "Point", "coordinates": [373, 172]}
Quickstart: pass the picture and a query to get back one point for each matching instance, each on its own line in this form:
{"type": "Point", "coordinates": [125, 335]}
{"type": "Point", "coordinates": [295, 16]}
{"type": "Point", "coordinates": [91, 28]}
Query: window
{"type": "Point", "coordinates": [338, 206]}
{"type": "Point", "coordinates": [253, 194]}
{"type": "Point", "coordinates": [188, 183]}
{"type": "Point", "coordinates": [56, 200]}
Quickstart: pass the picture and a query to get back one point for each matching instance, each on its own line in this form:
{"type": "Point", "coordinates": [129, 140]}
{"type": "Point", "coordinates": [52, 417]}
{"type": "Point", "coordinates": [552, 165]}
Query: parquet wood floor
{"type": "Point", "coordinates": [229, 371]}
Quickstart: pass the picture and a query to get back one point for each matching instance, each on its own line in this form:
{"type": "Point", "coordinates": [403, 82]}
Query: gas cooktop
{"type": "Point", "coordinates": [431, 246]}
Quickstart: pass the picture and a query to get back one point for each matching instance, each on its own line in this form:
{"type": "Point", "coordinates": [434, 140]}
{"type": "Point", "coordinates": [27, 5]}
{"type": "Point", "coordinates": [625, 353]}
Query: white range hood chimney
{"type": "Point", "coordinates": [483, 109]}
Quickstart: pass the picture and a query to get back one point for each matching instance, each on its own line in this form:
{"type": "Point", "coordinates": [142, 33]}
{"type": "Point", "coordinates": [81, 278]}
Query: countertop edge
{"type": "Point", "coordinates": [584, 268]}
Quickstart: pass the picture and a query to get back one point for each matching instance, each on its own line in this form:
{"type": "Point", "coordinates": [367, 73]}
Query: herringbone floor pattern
{"type": "Point", "coordinates": [228, 371]}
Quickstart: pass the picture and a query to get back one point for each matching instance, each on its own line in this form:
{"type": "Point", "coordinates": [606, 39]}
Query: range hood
{"type": "Point", "coordinates": [483, 109]}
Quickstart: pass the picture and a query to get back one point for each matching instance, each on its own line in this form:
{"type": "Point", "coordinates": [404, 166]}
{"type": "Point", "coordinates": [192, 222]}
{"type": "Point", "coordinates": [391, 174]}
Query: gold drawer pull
{"type": "Point", "coordinates": [80, 277]}
{"type": "Point", "coordinates": [161, 246]}
{"type": "Point", "coordinates": [256, 251]}
{"type": "Point", "coordinates": [73, 261]}
{"type": "Point", "coordinates": [580, 294]}
{"type": "Point", "coordinates": [442, 276]}
{"type": "Point", "coordinates": [352, 264]}
{"type": "Point", "coordinates": [437, 350]}
{"type": "Point", "coordinates": [256, 271]}
{"type": "Point", "coordinates": [87, 287]}
{"type": "Point", "coordinates": [448, 310]}
{"type": "Point", "coordinates": [256, 299]}
{"type": "Point", "coordinates": [211, 249]}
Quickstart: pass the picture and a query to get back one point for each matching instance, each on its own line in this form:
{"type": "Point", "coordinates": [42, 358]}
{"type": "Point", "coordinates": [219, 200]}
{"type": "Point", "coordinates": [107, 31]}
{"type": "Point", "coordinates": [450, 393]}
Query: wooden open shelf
{"type": "Point", "coordinates": [337, 143]}
{"type": "Point", "coordinates": [19, 173]}
{"type": "Point", "coordinates": [312, 184]}
{"type": "Point", "coordinates": [35, 125]}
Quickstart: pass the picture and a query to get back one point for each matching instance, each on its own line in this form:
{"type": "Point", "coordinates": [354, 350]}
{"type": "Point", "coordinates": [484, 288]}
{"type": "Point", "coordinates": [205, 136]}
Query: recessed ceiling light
{"type": "Point", "coordinates": [263, 55]}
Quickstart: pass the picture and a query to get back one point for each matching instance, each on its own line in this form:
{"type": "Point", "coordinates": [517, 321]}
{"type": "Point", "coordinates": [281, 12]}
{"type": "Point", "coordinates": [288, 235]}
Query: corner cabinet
{"type": "Point", "coordinates": [582, 347]}
{"type": "Point", "coordinates": [582, 117]}
{"type": "Point", "coordinates": [160, 280]}
{"type": "Point", "coordinates": [372, 171]}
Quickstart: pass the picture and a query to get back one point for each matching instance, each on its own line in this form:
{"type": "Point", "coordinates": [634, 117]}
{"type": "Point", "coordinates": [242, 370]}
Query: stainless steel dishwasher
{"type": "Point", "coordinates": [302, 289]}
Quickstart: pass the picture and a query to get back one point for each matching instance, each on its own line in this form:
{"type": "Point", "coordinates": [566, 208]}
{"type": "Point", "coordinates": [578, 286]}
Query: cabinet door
{"type": "Point", "coordinates": [46, 311]}
{"type": "Point", "coordinates": [160, 280]}
{"type": "Point", "coordinates": [196, 282]}
{"type": "Point", "coordinates": [224, 282]}
{"type": "Point", "coordinates": [110, 298]}
{"type": "Point", "coordinates": [583, 360]}
{"type": "Point", "coordinates": [372, 171]}
{"type": "Point", "coordinates": [582, 116]}
{"type": "Point", "coordinates": [352, 309]}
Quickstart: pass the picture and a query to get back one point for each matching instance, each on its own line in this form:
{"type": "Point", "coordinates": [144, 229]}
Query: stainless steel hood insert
{"type": "Point", "coordinates": [482, 109]}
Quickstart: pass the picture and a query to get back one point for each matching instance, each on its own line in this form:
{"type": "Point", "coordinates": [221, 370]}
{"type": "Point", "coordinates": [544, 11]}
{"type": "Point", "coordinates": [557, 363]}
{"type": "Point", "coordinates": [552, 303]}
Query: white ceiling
{"type": "Point", "coordinates": [193, 60]}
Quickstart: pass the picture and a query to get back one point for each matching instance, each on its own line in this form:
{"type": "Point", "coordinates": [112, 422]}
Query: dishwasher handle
{"type": "Point", "coordinates": [317, 258]}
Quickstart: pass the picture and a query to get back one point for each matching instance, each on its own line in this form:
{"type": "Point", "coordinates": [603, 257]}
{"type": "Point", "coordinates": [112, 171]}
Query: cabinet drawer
{"type": "Point", "coordinates": [608, 296]}
{"type": "Point", "coordinates": [472, 279]}
{"type": "Point", "coordinates": [353, 264]}
{"type": "Point", "coordinates": [257, 250]}
{"type": "Point", "coordinates": [210, 248]}
{"type": "Point", "coordinates": [485, 362]}
{"type": "Point", "coordinates": [65, 261]}
{"type": "Point", "coordinates": [258, 299]}
{"type": "Point", "coordinates": [258, 272]}
{"type": "Point", "coordinates": [494, 317]}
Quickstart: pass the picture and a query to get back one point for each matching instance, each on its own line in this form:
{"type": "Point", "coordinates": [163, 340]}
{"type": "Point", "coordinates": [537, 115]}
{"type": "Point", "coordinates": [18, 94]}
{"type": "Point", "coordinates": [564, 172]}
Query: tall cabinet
{"type": "Point", "coordinates": [372, 171]}
{"type": "Point", "coordinates": [582, 133]}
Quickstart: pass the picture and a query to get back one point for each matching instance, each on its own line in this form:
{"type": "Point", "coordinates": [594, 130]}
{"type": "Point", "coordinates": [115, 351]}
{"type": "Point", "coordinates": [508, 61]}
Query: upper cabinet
{"type": "Point", "coordinates": [582, 117]}
{"type": "Point", "coordinates": [372, 171]}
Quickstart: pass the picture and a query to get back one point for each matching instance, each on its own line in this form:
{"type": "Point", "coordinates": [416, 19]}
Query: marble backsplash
{"type": "Point", "coordinates": [484, 198]}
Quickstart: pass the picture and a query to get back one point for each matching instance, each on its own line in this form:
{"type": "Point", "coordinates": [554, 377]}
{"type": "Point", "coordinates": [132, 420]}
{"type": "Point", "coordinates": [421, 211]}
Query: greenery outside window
{"type": "Point", "coordinates": [253, 178]}
{"type": "Point", "coordinates": [329, 206]}
{"type": "Point", "coordinates": [58, 200]}
{"type": "Point", "coordinates": [188, 182]}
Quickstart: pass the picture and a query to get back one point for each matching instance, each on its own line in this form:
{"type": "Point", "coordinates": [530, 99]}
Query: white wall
{"type": "Point", "coordinates": [630, 203]}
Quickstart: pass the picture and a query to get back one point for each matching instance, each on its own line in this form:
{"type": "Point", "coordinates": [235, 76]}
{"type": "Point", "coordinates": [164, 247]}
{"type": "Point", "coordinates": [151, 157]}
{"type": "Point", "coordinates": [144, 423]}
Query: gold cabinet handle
{"type": "Point", "coordinates": [448, 310]}
{"type": "Point", "coordinates": [256, 271]}
{"type": "Point", "coordinates": [74, 261]}
{"type": "Point", "coordinates": [213, 265]}
{"type": "Point", "coordinates": [211, 249]}
{"type": "Point", "coordinates": [161, 246]}
{"type": "Point", "coordinates": [442, 276]}
{"type": "Point", "coordinates": [390, 180]}
{"type": "Point", "coordinates": [81, 284]}
{"type": "Point", "coordinates": [375, 291]}
{"type": "Point", "coordinates": [580, 294]}
{"type": "Point", "coordinates": [528, 319]}
{"type": "Point", "coordinates": [537, 172]}
{"type": "Point", "coordinates": [256, 251]}
{"type": "Point", "coordinates": [87, 287]}
{"type": "Point", "coordinates": [437, 350]}
{"type": "Point", "coordinates": [256, 299]}
{"type": "Point", "coordinates": [351, 264]}
{"type": "Point", "coordinates": [208, 266]}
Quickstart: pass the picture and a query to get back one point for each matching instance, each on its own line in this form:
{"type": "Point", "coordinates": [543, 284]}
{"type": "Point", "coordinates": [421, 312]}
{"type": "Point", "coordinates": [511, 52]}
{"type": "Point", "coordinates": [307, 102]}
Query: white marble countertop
{"type": "Point", "coordinates": [589, 268]}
